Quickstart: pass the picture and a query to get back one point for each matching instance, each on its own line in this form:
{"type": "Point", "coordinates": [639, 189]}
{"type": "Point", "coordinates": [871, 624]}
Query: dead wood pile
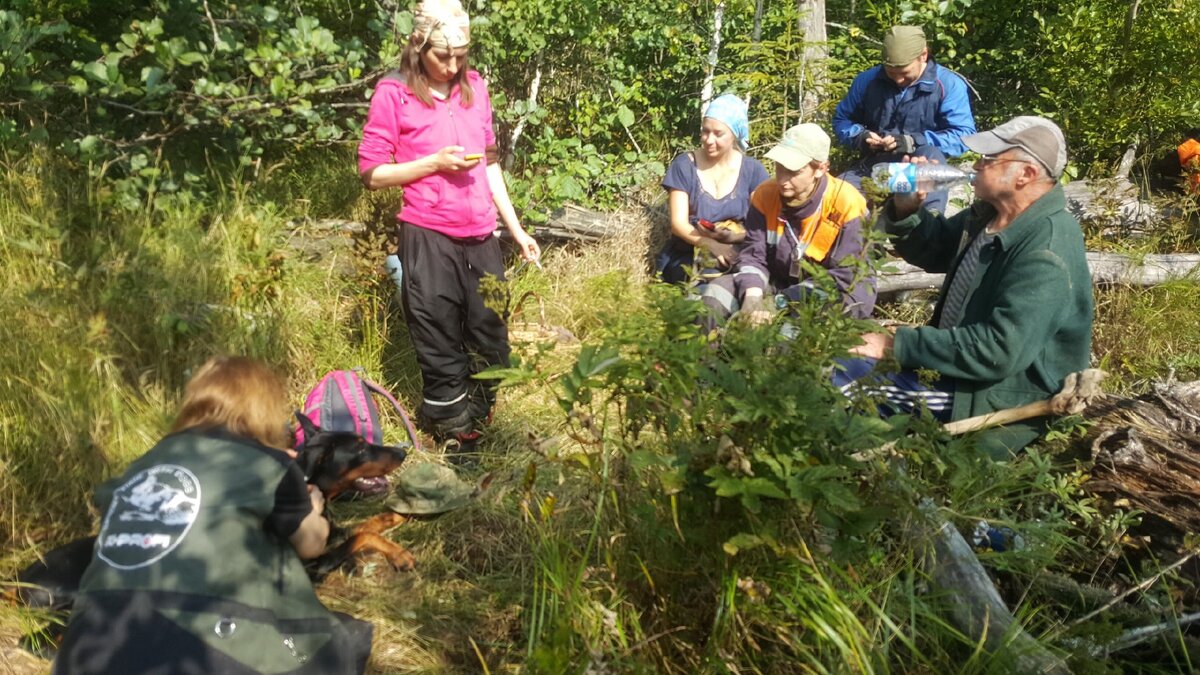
{"type": "Point", "coordinates": [1146, 453]}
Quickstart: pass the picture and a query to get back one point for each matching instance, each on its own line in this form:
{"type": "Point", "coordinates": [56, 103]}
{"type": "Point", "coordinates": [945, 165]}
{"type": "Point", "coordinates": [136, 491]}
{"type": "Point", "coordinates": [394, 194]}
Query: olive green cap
{"type": "Point", "coordinates": [902, 45]}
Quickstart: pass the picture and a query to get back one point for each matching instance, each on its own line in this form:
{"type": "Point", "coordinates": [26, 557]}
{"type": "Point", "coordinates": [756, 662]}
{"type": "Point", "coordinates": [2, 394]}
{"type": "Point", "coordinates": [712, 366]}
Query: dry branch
{"type": "Point", "coordinates": [1079, 390]}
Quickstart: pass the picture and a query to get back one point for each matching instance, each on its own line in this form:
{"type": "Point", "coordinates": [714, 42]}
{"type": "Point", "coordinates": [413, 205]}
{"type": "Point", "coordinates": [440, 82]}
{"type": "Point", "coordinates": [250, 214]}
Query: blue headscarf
{"type": "Point", "coordinates": [731, 110]}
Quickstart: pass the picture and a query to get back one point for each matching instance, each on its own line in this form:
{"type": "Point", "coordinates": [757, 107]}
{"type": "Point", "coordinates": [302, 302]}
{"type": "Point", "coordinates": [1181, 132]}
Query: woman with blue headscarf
{"type": "Point", "coordinates": [709, 192]}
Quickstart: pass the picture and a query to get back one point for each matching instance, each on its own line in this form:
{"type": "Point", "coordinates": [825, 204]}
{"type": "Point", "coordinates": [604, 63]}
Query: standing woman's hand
{"type": "Point", "coordinates": [449, 159]}
{"type": "Point", "coordinates": [526, 244]}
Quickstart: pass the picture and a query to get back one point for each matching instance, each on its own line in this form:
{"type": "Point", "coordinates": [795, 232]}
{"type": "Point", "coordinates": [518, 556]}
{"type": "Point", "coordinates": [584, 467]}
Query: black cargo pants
{"type": "Point", "coordinates": [454, 333]}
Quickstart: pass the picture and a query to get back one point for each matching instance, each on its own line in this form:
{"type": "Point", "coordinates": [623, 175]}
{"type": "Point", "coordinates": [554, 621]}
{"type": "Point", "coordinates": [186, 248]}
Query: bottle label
{"type": "Point", "coordinates": [902, 177]}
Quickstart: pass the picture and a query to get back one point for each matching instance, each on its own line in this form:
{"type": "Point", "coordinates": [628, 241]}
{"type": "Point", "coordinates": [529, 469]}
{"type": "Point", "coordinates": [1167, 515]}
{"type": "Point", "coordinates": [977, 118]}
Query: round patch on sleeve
{"type": "Point", "coordinates": [149, 516]}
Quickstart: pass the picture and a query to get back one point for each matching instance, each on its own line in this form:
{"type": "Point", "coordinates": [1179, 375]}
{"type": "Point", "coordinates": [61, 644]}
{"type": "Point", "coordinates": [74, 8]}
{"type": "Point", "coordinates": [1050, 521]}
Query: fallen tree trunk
{"type": "Point", "coordinates": [975, 606]}
{"type": "Point", "coordinates": [1111, 204]}
{"type": "Point", "coordinates": [1106, 268]}
{"type": "Point", "coordinates": [575, 223]}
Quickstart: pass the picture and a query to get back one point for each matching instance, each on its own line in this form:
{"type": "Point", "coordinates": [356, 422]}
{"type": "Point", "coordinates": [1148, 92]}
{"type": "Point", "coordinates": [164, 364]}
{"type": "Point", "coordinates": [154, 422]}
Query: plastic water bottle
{"type": "Point", "coordinates": [985, 537]}
{"type": "Point", "coordinates": [392, 263]}
{"type": "Point", "coordinates": [903, 178]}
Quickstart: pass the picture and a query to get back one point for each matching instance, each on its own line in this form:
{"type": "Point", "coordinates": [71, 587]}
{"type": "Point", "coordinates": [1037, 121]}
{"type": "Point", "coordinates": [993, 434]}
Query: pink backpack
{"type": "Point", "coordinates": [342, 401]}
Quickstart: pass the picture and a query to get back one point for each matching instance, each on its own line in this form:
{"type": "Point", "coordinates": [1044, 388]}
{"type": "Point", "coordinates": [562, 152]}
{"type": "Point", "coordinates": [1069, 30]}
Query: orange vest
{"type": "Point", "coordinates": [818, 232]}
{"type": "Point", "coordinates": [1189, 161]}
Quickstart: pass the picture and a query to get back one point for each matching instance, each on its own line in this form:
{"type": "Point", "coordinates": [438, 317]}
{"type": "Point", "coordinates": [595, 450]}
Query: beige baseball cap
{"type": "Point", "coordinates": [800, 145]}
{"type": "Point", "coordinates": [1038, 136]}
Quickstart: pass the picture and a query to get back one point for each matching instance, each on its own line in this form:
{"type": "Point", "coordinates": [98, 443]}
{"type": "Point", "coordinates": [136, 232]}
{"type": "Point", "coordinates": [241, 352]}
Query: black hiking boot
{"type": "Point", "coordinates": [459, 437]}
{"type": "Point", "coordinates": [463, 449]}
{"type": "Point", "coordinates": [481, 406]}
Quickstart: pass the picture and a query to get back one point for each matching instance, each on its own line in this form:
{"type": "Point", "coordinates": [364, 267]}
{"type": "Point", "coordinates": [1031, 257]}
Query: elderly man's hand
{"type": "Point", "coordinates": [906, 204]}
{"type": "Point", "coordinates": [874, 346]}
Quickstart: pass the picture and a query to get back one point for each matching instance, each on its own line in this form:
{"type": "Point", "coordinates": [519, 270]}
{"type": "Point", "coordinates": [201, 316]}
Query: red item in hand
{"type": "Point", "coordinates": [706, 224]}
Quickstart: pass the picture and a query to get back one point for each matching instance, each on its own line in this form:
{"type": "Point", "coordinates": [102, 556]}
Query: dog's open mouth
{"type": "Point", "coordinates": [370, 487]}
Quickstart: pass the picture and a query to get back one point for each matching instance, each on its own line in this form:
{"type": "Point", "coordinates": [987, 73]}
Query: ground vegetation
{"type": "Point", "coordinates": [176, 180]}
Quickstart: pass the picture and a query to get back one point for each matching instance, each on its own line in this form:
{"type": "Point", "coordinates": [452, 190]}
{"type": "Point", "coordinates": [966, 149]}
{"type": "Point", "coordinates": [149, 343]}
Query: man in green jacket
{"type": "Point", "coordinates": [1015, 313]}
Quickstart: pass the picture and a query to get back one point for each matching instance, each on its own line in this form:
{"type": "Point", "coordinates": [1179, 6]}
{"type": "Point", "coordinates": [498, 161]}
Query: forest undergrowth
{"type": "Point", "coordinates": [659, 500]}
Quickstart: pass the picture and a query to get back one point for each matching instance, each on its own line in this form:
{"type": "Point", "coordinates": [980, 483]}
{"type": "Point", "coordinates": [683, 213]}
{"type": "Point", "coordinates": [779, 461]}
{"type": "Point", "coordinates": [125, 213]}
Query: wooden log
{"type": "Point", "coordinates": [576, 223]}
{"type": "Point", "coordinates": [1112, 204]}
{"type": "Point", "coordinates": [1106, 268]}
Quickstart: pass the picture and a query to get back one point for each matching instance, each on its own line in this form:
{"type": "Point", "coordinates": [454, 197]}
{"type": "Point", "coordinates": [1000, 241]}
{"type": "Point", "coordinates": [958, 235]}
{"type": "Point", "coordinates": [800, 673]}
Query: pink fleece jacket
{"type": "Point", "coordinates": [400, 128]}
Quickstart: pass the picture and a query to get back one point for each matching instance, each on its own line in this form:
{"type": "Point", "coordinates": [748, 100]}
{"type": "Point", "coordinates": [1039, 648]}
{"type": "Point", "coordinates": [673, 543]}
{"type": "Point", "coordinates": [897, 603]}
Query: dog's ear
{"type": "Point", "coordinates": [306, 424]}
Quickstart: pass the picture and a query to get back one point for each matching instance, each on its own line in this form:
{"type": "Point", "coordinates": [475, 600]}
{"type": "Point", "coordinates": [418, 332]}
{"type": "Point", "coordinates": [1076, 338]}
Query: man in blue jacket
{"type": "Point", "coordinates": [908, 105]}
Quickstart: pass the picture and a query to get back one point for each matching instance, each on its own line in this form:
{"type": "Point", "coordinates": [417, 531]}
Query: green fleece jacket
{"type": "Point", "coordinates": [1027, 322]}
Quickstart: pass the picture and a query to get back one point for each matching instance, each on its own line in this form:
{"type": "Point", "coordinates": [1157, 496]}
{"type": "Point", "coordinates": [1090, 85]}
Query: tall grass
{"type": "Point", "coordinates": [106, 312]}
{"type": "Point", "coordinates": [577, 560]}
{"type": "Point", "coordinates": [1142, 334]}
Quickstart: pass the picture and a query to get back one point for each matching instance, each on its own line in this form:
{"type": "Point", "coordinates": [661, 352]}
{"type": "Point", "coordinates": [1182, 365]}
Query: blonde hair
{"type": "Point", "coordinates": [238, 393]}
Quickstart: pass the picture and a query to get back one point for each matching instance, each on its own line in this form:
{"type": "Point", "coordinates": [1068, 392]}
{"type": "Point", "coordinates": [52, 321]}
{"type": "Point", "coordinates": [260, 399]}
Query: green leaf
{"type": "Point", "coordinates": [152, 75]}
{"type": "Point", "coordinates": [190, 58]}
{"type": "Point", "coordinates": [89, 144]}
{"type": "Point", "coordinates": [840, 497]}
{"type": "Point", "coordinates": [625, 115]}
{"type": "Point", "coordinates": [97, 70]}
{"type": "Point", "coordinates": [742, 542]}
{"type": "Point", "coordinates": [75, 82]}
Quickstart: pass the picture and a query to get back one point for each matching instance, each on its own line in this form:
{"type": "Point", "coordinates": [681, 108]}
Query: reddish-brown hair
{"type": "Point", "coordinates": [238, 393]}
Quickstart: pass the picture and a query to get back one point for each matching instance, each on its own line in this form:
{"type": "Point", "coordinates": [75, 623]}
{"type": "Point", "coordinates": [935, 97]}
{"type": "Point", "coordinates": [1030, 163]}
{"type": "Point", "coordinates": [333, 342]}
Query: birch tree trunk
{"type": "Point", "coordinates": [530, 104]}
{"type": "Point", "coordinates": [714, 47]}
{"type": "Point", "coordinates": [756, 36]}
{"type": "Point", "coordinates": [811, 23]}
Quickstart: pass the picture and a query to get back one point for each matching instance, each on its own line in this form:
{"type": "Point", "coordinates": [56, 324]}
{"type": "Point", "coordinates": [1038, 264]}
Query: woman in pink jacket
{"type": "Point", "coordinates": [429, 130]}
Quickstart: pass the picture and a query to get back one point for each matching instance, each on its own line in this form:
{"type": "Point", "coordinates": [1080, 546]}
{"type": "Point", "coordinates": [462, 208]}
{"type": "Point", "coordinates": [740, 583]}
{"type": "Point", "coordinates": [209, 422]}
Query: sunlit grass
{"type": "Point", "coordinates": [570, 560]}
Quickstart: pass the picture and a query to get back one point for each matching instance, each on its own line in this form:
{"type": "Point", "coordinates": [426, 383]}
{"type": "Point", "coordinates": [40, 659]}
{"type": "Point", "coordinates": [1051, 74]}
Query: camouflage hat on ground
{"type": "Point", "coordinates": [430, 488]}
{"type": "Point", "coordinates": [902, 45]}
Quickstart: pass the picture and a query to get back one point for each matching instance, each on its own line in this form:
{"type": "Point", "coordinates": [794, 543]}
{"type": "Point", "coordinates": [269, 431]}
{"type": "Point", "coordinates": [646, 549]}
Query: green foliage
{"type": "Point", "coordinates": [719, 493]}
{"type": "Point", "coordinates": [1143, 333]}
{"type": "Point", "coordinates": [230, 82]}
{"type": "Point", "coordinates": [105, 318]}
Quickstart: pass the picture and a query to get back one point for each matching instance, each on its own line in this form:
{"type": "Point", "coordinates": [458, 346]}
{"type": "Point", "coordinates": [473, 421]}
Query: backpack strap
{"type": "Point", "coordinates": [408, 425]}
